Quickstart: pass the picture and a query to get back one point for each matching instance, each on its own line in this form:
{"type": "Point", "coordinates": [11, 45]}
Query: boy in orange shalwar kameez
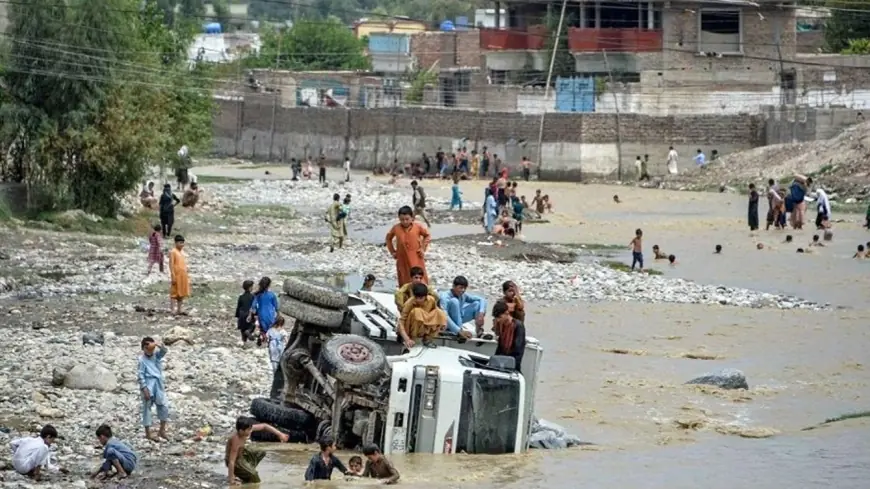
{"type": "Point", "coordinates": [180, 287]}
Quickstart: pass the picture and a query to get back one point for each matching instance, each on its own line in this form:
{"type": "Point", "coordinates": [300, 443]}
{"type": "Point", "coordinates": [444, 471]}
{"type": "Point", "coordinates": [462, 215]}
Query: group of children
{"type": "Point", "coordinates": [242, 460]}
{"type": "Point", "coordinates": [32, 455]}
{"type": "Point", "coordinates": [636, 247]}
{"type": "Point", "coordinates": [258, 311]}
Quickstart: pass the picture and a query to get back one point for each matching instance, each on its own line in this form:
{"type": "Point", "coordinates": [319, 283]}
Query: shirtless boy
{"type": "Point", "coordinates": [636, 245]}
{"type": "Point", "coordinates": [242, 461]}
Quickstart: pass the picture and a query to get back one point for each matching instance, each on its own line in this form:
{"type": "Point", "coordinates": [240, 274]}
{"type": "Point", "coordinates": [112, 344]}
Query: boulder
{"type": "Point", "coordinates": [90, 377]}
{"type": "Point", "coordinates": [177, 334]}
{"type": "Point", "coordinates": [728, 379]}
{"type": "Point", "coordinates": [58, 374]}
{"type": "Point", "coordinates": [93, 338]}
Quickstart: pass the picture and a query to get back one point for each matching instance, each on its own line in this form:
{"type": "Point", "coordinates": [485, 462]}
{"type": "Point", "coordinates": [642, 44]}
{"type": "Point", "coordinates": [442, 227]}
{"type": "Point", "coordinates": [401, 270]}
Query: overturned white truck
{"type": "Point", "coordinates": [345, 373]}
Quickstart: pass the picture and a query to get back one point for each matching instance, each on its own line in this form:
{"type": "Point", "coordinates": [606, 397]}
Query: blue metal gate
{"type": "Point", "coordinates": [575, 94]}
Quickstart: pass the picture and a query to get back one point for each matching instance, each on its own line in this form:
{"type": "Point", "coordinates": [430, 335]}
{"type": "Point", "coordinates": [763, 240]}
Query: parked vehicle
{"type": "Point", "coordinates": [345, 373]}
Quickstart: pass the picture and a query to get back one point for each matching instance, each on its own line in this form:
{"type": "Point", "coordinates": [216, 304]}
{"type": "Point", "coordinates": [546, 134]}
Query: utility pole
{"type": "Point", "coordinates": [275, 96]}
{"type": "Point", "coordinates": [547, 87]}
{"type": "Point", "coordinates": [618, 125]}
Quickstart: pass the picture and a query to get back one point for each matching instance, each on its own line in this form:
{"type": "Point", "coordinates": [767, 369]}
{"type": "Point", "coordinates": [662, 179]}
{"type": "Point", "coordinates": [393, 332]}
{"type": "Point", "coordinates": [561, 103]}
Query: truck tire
{"type": "Point", "coordinates": [296, 436]}
{"type": "Point", "coordinates": [353, 359]}
{"type": "Point", "coordinates": [273, 413]}
{"type": "Point", "coordinates": [315, 293]}
{"type": "Point", "coordinates": [311, 314]}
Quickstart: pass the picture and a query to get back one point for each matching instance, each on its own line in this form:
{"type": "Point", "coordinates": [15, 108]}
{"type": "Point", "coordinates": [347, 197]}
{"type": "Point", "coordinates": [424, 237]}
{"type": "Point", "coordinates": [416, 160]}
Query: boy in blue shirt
{"type": "Point", "coordinates": [116, 454]}
{"type": "Point", "coordinates": [152, 387]}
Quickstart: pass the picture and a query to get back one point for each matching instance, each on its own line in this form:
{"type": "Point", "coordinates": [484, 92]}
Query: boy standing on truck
{"type": "Point", "coordinates": [322, 463]}
{"type": "Point", "coordinates": [378, 467]}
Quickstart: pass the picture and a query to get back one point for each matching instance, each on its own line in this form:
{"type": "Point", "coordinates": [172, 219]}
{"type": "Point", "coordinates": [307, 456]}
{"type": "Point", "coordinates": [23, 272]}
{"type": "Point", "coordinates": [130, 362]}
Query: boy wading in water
{"type": "Point", "coordinates": [637, 250]}
{"type": "Point", "coordinates": [378, 467]}
{"type": "Point", "coordinates": [241, 460]}
{"type": "Point", "coordinates": [322, 463]}
{"type": "Point", "coordinates": [153, 389]}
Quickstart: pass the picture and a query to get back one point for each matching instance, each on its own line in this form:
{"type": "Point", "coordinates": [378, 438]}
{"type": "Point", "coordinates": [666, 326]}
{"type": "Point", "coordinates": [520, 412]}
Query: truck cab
{"type": "Point", "coordinates": [444, 400]}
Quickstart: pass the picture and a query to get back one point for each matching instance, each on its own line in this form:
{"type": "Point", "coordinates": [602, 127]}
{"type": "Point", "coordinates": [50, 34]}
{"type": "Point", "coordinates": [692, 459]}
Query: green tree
{"type": "Point", "coordinates": [564, 64]}
{"type": "Point", "coordinates": [95, 91]}
{"type": "Point", "coordinates": [858, 47]}
{"type": "Point", "coordinates": [191, 8]}
{"type": "Point", "coordinates": [311, 45]}
{"type": "Point", "coordinates": [849, 20]}
{"type": "Point", "coordinates": [271, 10]}
{"type": "Point", "coordinates": [222, 13]}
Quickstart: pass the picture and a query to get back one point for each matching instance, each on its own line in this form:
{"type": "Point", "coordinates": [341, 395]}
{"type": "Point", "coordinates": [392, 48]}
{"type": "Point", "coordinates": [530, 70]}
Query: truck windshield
{"type": "Point", "coordinates": [489, 414]}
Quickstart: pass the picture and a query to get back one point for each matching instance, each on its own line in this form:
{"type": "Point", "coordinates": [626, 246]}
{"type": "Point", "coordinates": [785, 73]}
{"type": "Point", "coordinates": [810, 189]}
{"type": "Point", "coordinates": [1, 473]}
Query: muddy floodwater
{"type": "Point", "coordinates": [614, 373]}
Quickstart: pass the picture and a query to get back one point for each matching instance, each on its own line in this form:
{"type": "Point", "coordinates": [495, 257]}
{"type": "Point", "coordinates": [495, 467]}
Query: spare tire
{"type": "Point", "coordinates": [318, 294]}
{"type": "Point", "coordinates": [268, 411]}
{"type": "Point", "coordinates": [314, 315]}
{"type": "Point", "coordinates": [295, 436]}
{"type": "Point", "coordinates": [353, 359]}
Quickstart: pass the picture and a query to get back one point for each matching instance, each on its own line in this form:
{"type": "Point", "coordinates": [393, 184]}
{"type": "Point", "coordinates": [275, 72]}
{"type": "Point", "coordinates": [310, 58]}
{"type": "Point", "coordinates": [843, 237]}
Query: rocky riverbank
{"type": "Point", "coordinates": [58, 287]}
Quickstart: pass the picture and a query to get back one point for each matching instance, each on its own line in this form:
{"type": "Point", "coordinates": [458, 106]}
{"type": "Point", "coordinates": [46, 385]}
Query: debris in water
{"type": "Point", "coordinates": [550, 436]}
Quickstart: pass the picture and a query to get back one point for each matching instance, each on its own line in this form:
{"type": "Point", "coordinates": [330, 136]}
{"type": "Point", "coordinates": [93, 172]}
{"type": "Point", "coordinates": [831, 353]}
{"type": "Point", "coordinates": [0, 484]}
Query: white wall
{"type": "Point", "coordinates": [674, 102]}
{"type": "Point", "coordinates": [677, 102]}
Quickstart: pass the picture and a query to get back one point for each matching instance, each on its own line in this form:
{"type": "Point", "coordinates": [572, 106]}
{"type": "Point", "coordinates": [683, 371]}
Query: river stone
{"type": "Point", "coordinates": [90, 377]}
{"type": "Point", "coordinates": [728, 379]}
{"type": "Point", "coordinates": [93, 338]}
{"type": "Point", "coordinates": [177, 334]}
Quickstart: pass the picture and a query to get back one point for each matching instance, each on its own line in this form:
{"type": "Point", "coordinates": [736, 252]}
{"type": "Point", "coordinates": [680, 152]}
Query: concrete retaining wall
{"type": "Point", "coordinates": [574, 145]}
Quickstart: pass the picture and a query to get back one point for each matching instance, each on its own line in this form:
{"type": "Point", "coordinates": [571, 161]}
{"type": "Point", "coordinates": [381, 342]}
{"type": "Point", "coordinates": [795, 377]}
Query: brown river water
{"type": "Point", "coordinates": [613, 373]}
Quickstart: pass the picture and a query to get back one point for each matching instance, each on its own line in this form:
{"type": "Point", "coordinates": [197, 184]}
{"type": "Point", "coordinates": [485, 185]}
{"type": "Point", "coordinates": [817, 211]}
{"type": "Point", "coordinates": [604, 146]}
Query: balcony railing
{"type": "Point", "coordinates": [513, 39]}
{"type": "Point", "coordinates": [614, 40]}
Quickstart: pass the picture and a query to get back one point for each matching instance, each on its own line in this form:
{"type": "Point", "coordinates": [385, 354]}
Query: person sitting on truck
{"type": "Point", "coordinates": [516, 305]}
{"type": "Point", "coordinates": [421, 318]}
{"type": "Point", "coordinates": [418, 276]}
{"type": "Point", "coordinates": [510, 331]}
{"type": "Point", "coordinates": [462, 307]}
{"type": "Point", "coordinates": [378, 467]}
{"type": "Point", "coordinates": [323, 462]}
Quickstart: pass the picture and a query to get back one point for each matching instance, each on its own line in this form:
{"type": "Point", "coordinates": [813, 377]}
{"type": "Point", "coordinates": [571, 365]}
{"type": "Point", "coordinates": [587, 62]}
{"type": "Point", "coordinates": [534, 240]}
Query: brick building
{"type": "Point", "coordinates": [689, 56]}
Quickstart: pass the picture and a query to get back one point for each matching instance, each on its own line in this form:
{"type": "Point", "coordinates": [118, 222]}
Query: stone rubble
{"type": "Point", "coordinates": [207, 386]}
{"type": "Point", "coordinates": [94, 269]}
{"type": "Point", "coordinates": [80, 377]}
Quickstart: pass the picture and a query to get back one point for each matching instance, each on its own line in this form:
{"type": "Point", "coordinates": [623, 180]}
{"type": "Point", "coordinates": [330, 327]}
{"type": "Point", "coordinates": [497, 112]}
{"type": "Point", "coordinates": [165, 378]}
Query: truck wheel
{"type": "Point", "coordinates": [315, 293]}
{"type": "Point", "coordinates": [311, 314]}
{"type": "Point", "coordinates": [273, 413]}
{"type": "Point", "coordinates": [353, 359]}
{"type": "Point", "coordinates": [296, 436]}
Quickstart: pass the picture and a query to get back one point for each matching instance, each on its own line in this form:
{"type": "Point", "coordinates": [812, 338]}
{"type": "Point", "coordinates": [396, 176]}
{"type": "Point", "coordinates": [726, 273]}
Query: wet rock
{"type": "Point", "coordinates": [90, 377]}
{"type": "Point", "coordinates": [725, 379]}
{"type": "Point", "coordinates": [178, 334]}
{"type": "Point", "coordinates": [93, 338]}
